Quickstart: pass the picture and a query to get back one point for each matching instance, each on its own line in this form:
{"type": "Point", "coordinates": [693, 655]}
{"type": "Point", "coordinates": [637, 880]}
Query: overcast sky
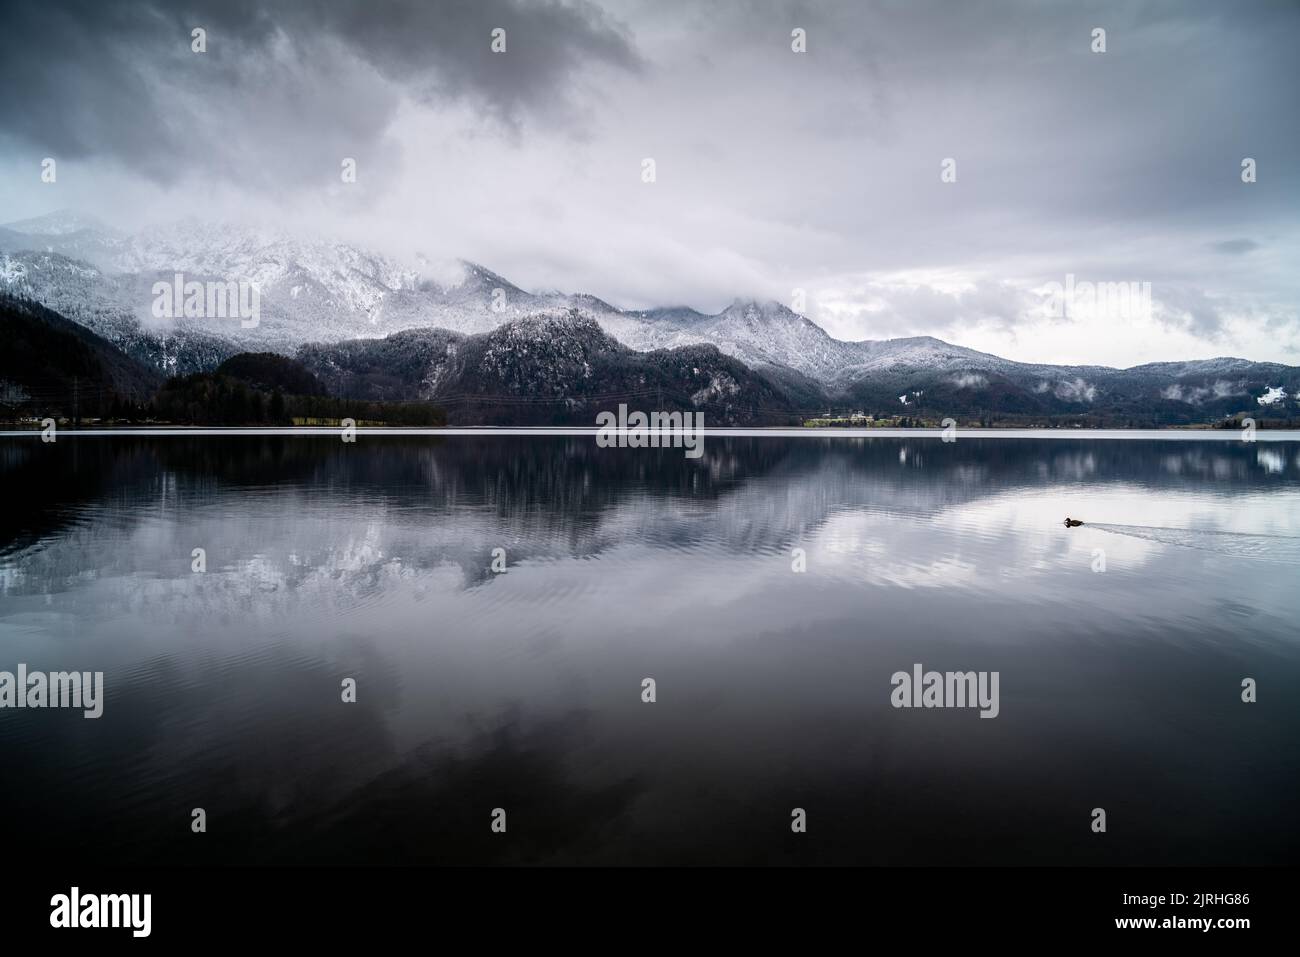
{"type": "Point", "coordinates": [775, 170]}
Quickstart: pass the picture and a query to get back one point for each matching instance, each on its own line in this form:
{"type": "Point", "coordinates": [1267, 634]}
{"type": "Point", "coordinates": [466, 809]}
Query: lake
{"type": "Point", "coordinates": [771, 588]}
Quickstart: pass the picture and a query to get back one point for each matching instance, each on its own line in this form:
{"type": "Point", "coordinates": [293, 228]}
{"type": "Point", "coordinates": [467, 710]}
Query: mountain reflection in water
{"type": "Point", "coordinates": [521, 690]}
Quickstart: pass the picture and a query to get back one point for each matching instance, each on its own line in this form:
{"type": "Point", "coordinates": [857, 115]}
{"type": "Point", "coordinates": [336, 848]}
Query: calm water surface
{"type": "Point", "coordinates": [1119, 689]}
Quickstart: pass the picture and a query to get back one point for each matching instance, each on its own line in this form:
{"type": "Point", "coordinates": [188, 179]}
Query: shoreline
{"type": "Point", "coordinates": [1170, 434]}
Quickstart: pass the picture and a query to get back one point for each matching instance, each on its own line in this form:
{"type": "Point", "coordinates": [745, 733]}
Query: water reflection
{"type": "Point", "coordinates": [479, 690]}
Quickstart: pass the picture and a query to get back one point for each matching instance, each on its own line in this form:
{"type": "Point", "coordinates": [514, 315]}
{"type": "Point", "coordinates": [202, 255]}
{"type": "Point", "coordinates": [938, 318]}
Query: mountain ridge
{"type": "Point", "coordinates": [325, 292]}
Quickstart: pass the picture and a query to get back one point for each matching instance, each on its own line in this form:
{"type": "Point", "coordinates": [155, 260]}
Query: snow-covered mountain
{"type": "Point", "coordinates": [757, 333]}
{"type": "Point", "coordinates": [308, 291]}
{"type": "Point", "coordinates": [330, 292]}
{"type": "Point", "coordinates": [547, 369]}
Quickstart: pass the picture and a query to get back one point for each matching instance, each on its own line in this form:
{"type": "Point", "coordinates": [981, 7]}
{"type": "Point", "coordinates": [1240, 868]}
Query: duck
{"type": "Point", "coordinates": [1071, 522]}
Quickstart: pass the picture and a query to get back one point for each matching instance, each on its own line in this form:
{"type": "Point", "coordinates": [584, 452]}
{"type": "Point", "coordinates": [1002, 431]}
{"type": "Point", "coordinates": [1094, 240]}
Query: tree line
{"type": "Point", "coordinates": [212, 399]}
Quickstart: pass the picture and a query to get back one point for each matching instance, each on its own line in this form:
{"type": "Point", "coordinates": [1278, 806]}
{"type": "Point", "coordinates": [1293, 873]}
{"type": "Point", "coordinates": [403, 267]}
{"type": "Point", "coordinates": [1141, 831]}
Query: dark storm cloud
{"type": "Point", "coordinates": [281, 86]}
{"type": "Point", "coordinates": [1235, 247]}
{"type": "Point", "coordinates": [1042, 127]}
